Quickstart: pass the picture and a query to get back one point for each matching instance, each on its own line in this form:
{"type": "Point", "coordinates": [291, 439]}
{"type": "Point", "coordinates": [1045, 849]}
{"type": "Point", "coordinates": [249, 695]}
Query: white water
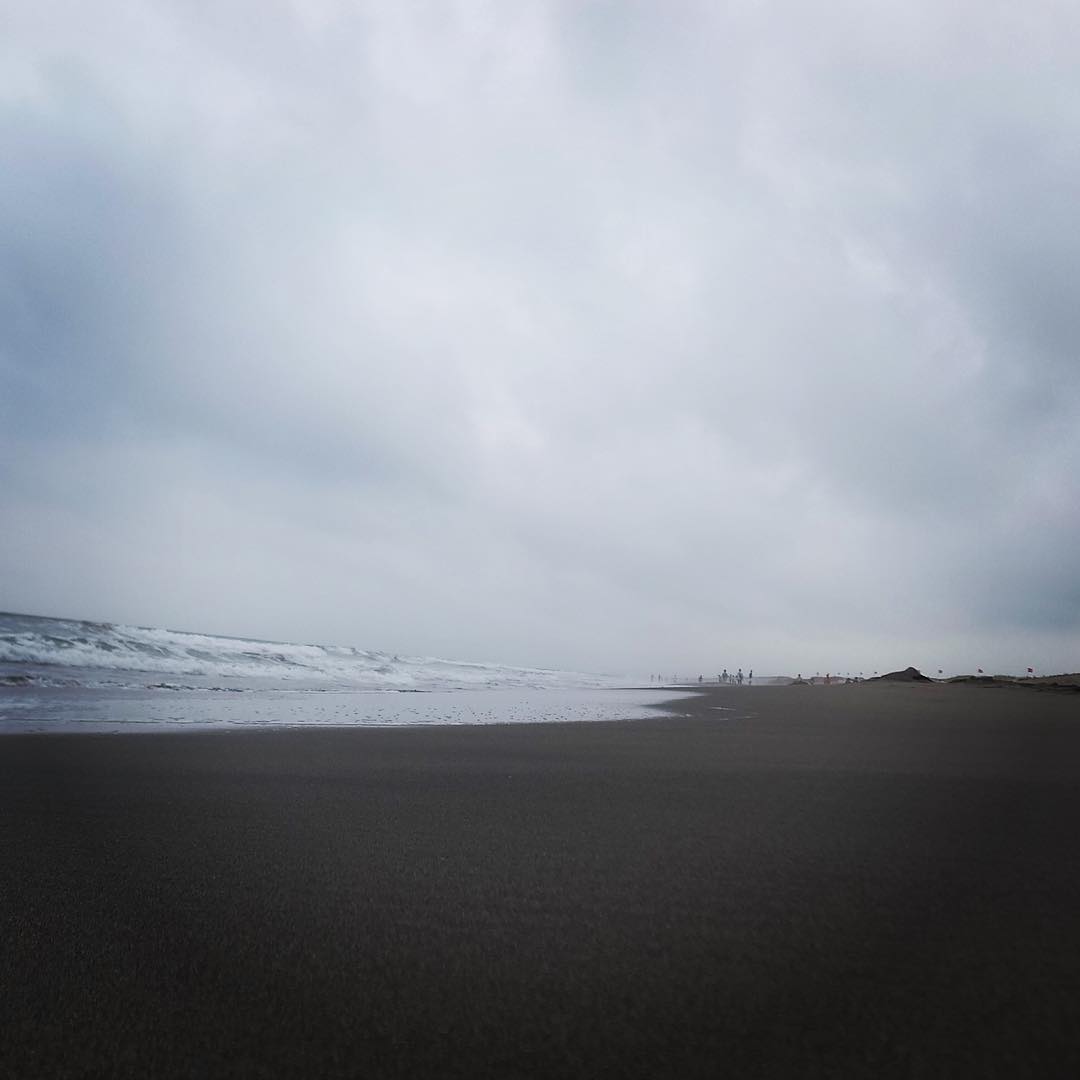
{"type": "Point", "coordinates": [73, 652]}
{"type": "Point", "coordinates": [60, 675]}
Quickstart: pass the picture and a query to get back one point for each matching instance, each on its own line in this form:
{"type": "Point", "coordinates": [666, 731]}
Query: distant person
{"type": "Point", "coordinates": [738, 677]}
{"type": "Point", "coordinates": [750, 678]}
{"type": "Point", "coordinates": [725, 675]}
{"type": "Point", "coordinates": [719, 679]}
{"type": "Point", "coordinates": [700, 679]}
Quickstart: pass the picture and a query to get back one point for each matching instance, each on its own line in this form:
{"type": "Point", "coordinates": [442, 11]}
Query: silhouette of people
{"type": "Point", "coordinates": [725, 675]}
{"type": "Point", "coordinates": [700, 679]}
{"type": "Point", "coordinates": [738, 677]}
{"type": "Point", "coordinates": [750, 678]}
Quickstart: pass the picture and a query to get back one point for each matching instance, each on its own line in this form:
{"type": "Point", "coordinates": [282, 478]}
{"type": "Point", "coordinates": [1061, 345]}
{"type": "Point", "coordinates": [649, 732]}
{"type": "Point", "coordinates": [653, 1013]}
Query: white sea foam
{"type": "Point", "coordinates": [66, 652]}
{"type": "Point", "coordinates": [60, 710]}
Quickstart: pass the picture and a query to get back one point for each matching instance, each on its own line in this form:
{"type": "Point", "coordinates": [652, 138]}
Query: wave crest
{"type": "Point", "coordinates": [76, 645]}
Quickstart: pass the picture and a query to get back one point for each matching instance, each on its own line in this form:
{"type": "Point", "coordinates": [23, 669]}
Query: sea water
{"type": "Point", "coordinates": [71, 675]}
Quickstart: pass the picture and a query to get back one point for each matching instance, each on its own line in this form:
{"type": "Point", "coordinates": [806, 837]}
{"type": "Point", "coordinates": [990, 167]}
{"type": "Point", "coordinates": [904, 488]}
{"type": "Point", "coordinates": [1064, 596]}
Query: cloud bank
{"type": "Point", "coordinates": [592, 335]}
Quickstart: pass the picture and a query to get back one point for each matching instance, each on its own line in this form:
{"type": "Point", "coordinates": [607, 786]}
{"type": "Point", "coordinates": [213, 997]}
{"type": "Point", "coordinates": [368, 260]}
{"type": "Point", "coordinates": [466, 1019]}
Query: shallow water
{"type": "Point", "coordinates": [123, 709]}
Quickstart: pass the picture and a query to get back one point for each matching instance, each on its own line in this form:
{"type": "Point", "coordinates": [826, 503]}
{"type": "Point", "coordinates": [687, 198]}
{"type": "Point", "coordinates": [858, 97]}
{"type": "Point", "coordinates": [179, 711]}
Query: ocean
{"type": "Point", "coordinates": [74, 675]}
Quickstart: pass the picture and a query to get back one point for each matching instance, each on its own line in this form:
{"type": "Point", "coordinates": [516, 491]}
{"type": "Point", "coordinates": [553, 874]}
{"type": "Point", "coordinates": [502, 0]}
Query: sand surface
{"type": "Point", "coordinates": [855, 881]}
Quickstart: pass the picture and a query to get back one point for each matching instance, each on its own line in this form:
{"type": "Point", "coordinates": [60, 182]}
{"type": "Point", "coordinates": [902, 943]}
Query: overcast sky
{"type": "Point", "coordinates": [602, 335]}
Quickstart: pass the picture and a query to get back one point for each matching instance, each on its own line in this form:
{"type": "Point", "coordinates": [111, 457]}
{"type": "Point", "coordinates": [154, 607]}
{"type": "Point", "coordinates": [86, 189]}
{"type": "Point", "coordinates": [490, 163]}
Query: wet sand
{"type": "Point", "coordinates": [849, 881]}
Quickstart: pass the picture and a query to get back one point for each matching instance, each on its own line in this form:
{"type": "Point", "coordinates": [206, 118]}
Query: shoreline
{"type": "Point", "coordinates": [149, 711]}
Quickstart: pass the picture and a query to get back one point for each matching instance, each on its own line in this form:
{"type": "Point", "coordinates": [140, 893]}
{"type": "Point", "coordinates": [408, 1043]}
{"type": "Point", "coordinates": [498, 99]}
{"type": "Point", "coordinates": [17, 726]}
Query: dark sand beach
{"type": "Point", "coordinates": [864, 880]}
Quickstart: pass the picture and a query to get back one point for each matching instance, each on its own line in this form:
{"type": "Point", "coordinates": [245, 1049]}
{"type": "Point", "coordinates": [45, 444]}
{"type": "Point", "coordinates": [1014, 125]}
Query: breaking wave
{"type": "Point", "coordinates": [56, 652]}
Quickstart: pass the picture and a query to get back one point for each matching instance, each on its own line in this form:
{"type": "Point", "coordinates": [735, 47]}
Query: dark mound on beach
{"type": "Point", "coordinates": [909, 674]}
{"type": "Point", "coordinates": [1069, 682]}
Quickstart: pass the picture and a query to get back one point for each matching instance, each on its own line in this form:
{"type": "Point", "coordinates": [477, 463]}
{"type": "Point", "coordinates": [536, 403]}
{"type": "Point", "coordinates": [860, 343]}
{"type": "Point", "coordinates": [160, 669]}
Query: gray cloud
{"type": "Point", "coordinates": [589, 335]}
